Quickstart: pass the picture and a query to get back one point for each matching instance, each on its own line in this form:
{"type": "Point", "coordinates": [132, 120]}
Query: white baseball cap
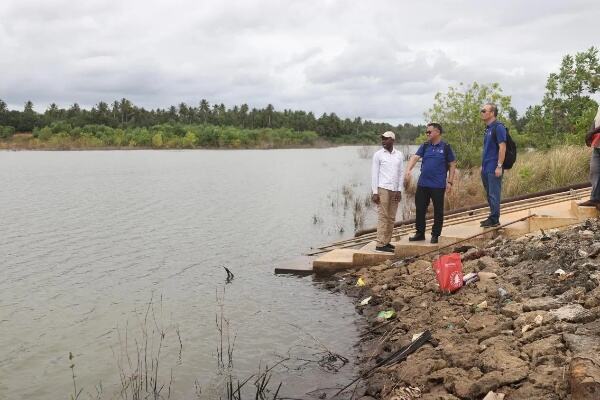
{"type": "Point", "coordinates": [389, 134]}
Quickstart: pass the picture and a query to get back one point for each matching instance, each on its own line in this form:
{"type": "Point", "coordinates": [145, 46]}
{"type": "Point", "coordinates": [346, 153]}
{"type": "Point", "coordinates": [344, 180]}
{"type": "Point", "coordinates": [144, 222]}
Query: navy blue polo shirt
{"type": "Point", "coordinates": [434, 167]}
{"type": "Point", "coordinates": [489, 158]}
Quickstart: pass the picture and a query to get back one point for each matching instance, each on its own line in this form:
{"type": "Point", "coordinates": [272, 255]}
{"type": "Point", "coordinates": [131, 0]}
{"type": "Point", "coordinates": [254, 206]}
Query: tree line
{"type": "Point", "coordinates": [563, 116]}
{"type": "Point", "coordinates": [126, 116]}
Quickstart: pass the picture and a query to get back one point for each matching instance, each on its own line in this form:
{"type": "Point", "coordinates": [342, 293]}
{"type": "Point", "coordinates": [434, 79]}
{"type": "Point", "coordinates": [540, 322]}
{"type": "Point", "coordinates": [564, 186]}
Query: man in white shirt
{"type": "Point", "coordinates": [386, 176]}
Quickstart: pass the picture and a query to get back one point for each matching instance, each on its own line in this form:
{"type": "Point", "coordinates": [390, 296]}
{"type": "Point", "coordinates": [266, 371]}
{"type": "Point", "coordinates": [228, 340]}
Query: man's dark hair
{"type": "Point", "coordinates": [436, 126]}
{"type": "Point", "coordinates": [493, 108]}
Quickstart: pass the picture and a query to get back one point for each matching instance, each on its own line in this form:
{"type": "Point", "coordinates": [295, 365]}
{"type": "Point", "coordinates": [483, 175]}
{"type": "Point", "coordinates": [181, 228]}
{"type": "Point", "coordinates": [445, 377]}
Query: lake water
{"type": "Point", "coordinates": [101, 250]}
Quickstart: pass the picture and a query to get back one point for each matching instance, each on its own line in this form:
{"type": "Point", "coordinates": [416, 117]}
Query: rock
{"type": "Point", "coordinates": [531, 318]}
{"type": "Point", "coordinates": [573, 313]}
{"type": "Point", "coordinates": [484, 275]}
{"type": "Point", "coordinates": [586, 234]}
{"type": "Point", "coordinates": [379, 268]}
{"type": "Point", "coordinates": [501, 360]}
{"type": "Point", "coordinates": [485, 326]}
{"type": "Point", "coordinates": [544, 347]}
{"type": "Point", "coordinates": [542, 303]}
{"type": "Point", "coordinates": [512, 310]}
{"type": "Point", "coordinates": [420, 365]}
{"type": "Point", "coordinates": [488, 264]}
{"type": "Point", "coordinates": [583, 345]}
{"type": "Point", "coordinates": [419, 267]}
{"type": "Point", "coordinates": [512, 260]}
{"type": "Point", "coordinates": [592, 299]}
{"type": "Point", "coordinates": [584, 377]}
{"type": "Point", "coordinates": [438, 396]}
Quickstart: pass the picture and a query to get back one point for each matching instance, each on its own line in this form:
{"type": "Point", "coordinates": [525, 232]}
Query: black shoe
{"type": "Point", "coordinates": [387, 248]}
{"type": "Point", "coordinates": [485, 221]}
{"type": "Point", "coordinates": [434, 239]}
{"type": "Point", "coordinates": [390, 246]}
{"type": "Point", "coordinates": [589, 203]}
{"type": "Point", "coordinates": [490, 224]}
{"type": "Point", "coordinates": [417, 237]}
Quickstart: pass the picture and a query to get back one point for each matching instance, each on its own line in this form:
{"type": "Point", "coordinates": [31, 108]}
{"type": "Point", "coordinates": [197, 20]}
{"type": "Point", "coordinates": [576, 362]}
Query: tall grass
{"type": "Point", "coordinates": [542, 170]}
{"type": "Point", "coordinates": [534, 171]}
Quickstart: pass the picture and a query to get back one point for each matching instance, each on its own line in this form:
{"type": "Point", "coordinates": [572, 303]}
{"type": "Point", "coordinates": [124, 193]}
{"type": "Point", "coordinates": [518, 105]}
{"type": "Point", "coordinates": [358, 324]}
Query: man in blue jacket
{"type": "Point", "coordinates": [494, 150]}
{"type": "Point", "coordinates": [438, 167]}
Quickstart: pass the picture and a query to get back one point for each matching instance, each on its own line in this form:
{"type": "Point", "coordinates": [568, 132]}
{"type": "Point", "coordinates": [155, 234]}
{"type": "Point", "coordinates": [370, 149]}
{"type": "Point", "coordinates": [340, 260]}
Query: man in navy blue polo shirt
{"type": "Point", "coordinates": [494, 150]}
{"type": "Point", "coordinates": [438, 167]}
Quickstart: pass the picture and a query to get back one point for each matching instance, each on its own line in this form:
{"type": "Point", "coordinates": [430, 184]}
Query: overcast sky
{"type": "Point", "coordinates": [380, 60]}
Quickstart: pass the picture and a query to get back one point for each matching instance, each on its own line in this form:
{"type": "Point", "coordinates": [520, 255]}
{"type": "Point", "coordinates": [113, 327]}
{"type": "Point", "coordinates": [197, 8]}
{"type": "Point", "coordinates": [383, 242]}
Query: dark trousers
{"type": "Point", "coordinates": [422, 198]}
{"type": "Point", "coordinates": [595, 174]}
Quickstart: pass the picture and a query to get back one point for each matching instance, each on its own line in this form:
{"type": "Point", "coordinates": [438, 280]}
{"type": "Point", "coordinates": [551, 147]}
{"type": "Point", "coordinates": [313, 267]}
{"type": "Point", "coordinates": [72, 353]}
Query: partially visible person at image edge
{"type": "Point", "coordinates": [386, 173]}
{"type": "Point", "coordinates": [494, 150]}
{"type": "Point", "coordinates": [438, 167]}
{"type": "Point", "coordinates": [592, 139]}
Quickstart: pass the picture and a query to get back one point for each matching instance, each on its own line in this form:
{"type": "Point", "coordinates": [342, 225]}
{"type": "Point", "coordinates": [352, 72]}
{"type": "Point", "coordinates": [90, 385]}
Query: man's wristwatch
{"type": "Point", "coordinates": [499, 165]}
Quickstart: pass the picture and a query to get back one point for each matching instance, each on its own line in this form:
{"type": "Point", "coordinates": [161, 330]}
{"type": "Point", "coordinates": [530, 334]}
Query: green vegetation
{"type": "Point", "coordinates": [125, 125]}
{"type": "Point", "coordinates": [563, 117]}
{"type": "Point", "coordinates": [535, 171]}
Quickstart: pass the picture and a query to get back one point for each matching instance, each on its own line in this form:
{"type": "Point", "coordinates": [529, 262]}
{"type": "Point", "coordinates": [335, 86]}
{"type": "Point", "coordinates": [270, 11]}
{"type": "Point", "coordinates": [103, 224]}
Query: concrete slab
{"type": "Point", "coordinates": [335, 260]}
{"type": "Point", "coordinates": [557, 215]}
{"type": "Point", "coordinates": [583, 212]}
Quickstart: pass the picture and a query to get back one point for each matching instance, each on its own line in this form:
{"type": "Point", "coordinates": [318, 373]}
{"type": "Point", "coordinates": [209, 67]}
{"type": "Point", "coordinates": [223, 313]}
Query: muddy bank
{"type": "Point", "coordinates": [524, 330]}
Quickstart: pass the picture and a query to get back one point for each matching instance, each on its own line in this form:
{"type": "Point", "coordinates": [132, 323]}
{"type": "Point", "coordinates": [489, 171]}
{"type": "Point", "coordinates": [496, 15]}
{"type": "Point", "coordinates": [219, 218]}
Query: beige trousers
{"type": "Point", "coordinates": [386, 216]}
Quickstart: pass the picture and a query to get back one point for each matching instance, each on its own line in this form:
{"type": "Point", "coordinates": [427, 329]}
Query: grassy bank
{"type": "Point", "coordinates": [533, 172]}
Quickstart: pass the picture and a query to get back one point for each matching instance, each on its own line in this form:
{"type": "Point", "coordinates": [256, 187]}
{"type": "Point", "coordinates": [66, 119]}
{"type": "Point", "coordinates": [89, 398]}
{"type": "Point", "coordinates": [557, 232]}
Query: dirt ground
{"type": "Point", "coordinates": [525, 330]}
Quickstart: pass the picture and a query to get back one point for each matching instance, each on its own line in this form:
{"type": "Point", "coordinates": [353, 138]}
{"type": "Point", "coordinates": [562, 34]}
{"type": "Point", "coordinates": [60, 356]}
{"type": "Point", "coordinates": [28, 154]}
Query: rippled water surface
{"type": "Point", "coordinates": [89, 239]}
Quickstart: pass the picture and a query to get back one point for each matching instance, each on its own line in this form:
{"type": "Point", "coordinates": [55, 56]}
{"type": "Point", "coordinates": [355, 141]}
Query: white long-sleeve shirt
{"type": "Point", "coordinates": [387, 171]}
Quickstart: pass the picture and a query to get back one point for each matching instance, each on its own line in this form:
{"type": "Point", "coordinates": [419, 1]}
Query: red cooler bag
{"type": "Point", "coordinates": [448, 271]}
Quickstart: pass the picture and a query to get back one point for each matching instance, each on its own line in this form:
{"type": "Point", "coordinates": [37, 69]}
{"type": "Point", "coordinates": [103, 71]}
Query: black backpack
{"type": "Point", "coordinates": [511, 149]}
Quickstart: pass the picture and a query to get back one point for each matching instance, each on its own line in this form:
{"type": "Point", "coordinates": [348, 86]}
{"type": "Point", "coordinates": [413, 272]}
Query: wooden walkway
{"type": "Point", "coordinates": [551, 211]}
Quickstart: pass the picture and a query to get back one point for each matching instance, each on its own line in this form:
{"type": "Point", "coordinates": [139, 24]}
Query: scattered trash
{"type": "Point", "coordinates": [360, 282]}
{"type": "Point", "coordinates": [406, 393]}
{"type": "Point", "coordinates": [387, 314]}
{"type": "Point", "coordinates": [538, 319]}
{"type": "Point", "coordinates": [525, 328]}
{"type": "Point", "coordinates": [502, 293]}
{"type": "Point", "coordinates": [482, 305]}
{"type": "Point", "coordinates": [494, 396]}
{"type": "Point", "coordinates": [582, 253]}
{"type": "Point", "coordinates": [364, 302]}
{"type": "Point", "coordinates": [448, 271]}
{"type": "Point", "coordinates": [416, 336]}
{"type": "Point", "coordinates": [471, 277]}
{"type": "Point", "coordinates": [560, 271]}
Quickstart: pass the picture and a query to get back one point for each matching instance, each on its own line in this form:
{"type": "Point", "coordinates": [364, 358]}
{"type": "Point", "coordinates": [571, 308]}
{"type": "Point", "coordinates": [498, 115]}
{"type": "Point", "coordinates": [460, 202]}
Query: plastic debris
{"type": "Point", "coordinates": [538, 319]}
{"type": "Point", "coordinates": [502, 292]}
{"type": "Point", "coordinates": [582, 253]}
{"type": "Point", "coordinates": [360, 282]}
{"type": "Point", "coordinates": [416, 336]}
{"type": "Point", "coordinates": [471, 277]}
{"type": "Point", "coordinates": [560, 271]}
{"type": "Point", "coordinates": [386, 314]}
{"type": "Point", "coordinates": [364, 302]}
{"type": "Point", "coordinates": [482, 305]}
{"type": "Point", "coordinates": [494, 396]}
{"type": "Point", "coordinates": [525, 328]}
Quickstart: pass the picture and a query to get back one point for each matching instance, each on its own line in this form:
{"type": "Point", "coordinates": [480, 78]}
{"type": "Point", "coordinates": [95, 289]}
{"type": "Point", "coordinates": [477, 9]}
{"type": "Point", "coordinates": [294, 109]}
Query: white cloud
{"type": "Point", "coordinates": [381, 60]}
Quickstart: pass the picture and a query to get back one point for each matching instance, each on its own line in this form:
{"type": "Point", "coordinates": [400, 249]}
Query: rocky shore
{"type": "Point", "coordinates": [528, 329]}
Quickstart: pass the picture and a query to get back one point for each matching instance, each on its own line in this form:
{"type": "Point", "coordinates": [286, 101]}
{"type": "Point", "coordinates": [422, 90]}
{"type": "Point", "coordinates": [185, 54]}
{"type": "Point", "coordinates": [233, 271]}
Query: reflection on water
{"type": "Point", "coordinates": [89, 238]}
